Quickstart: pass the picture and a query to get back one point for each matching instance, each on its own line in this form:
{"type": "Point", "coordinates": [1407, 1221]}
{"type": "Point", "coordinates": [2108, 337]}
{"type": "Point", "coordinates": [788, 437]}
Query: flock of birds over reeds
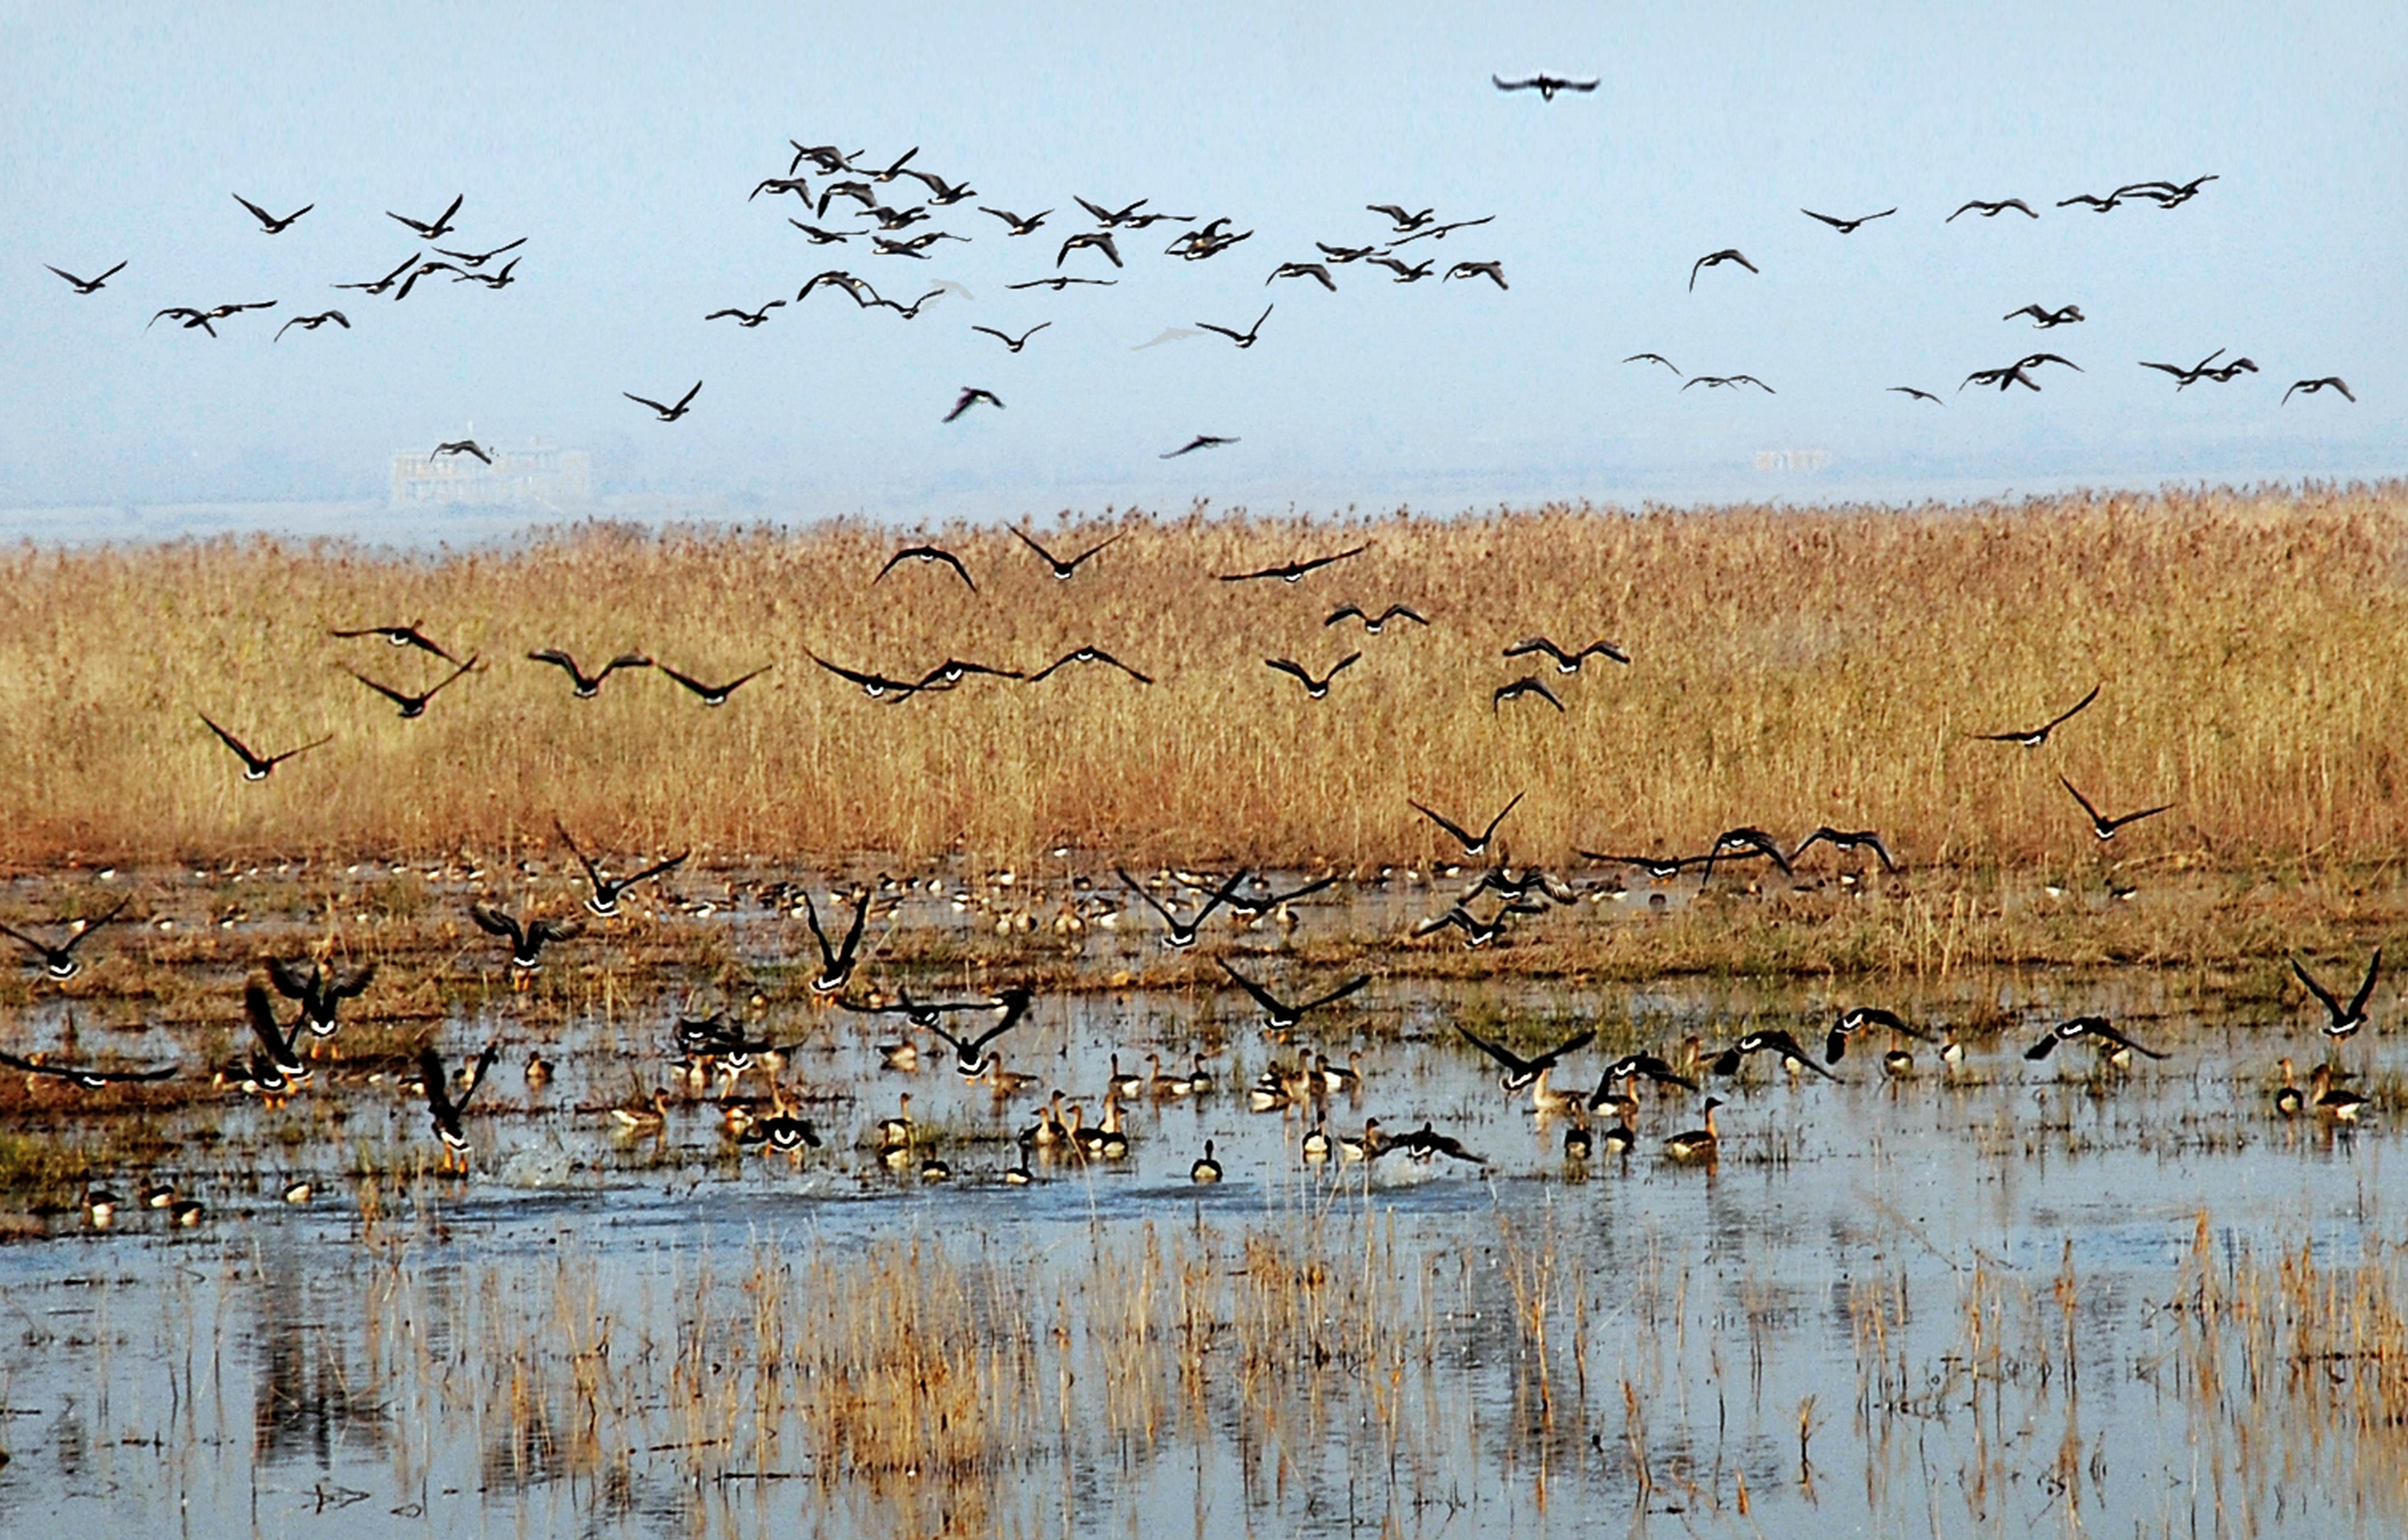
{"type": "Point", "coordinates": [720, 1051]}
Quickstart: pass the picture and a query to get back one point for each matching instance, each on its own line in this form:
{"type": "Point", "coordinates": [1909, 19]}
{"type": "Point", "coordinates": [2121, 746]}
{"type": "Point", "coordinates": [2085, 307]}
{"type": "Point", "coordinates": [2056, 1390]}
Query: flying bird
{"type": "Point", "coordinates": [411, 706]}
{"type": "Point", "coordinates": [1545, 85]}
{"type": "Point", "coordinates": [1422, 1145]}
{"type": "Point", "coordinates": [972, 395]}
{"type": "Point", "coordinates": [90, 1079]}
{"type": "Point", "coordinates": [1846, 839]}
{"type": "Point", "coordinates": [1057, 285]}
{"type": "Point", "coordinates": [1847, 227]}
{"type": "Point", "coordinates": [1857, 1019]}
{"type": "Point", "coordinates": [462, 446]}
{"type": "Point", "coordinates": [1919, 395]}
{"type": "Point", "coordinates": [1566, 663]}
{"type": "Point", "coordinates": [714, 694]}
{"type": "Point", "coordinates": [1088, 655]}
{"type": "Point", "coordinates": [1727, 382]}
{"type": "Point", "coordinates": [1472, 844]}
{"type": "Point", "coordinates": [443, 1109]}
{"type": "Point", "coordinates": [1528, 684]}
{"type": "Point", "coordinates": [1100, 240]}
{"type": "Point", "coordinates": [669, 414]}
{"type": "Point", "coordinates": [1521, 1072]}
{"type": "Point", "coordinates": [1014, 343]}
{"type": "Point", "coordinates": [479, 259]}
{"type": "Point", "coordinates": [1109, 216]}
{"type": "Point", "coordinates": [2343, 1019]}
{"type": "Point", "coordinates": [1372, 624]}
{"type": "Point", "coordinates": [1201, 441]}
{"type": "Point", "coordinates": [1439, 232]}
{"type": "Point", "coordinates": [269, 223]}
{"type": "Point", "coordinates": [1405, 271]}
{"type": "Point", "coordinates": [837, 962]}
{"type": "Point", "coordinates": [311, 324]}
{"type": "Point", "coordinates": [2313, 386]}
{"type": "Point", "coordinates": [2043, 318]}
{"type": "Point", "coordinates": [528, 938]}
{"type": "Point", "coordinates": [1716, 259]}
{"type": "Point", "coordinates": [425, 269]}
{"type": "Point", "coordinates": [1313, 689]}
{"type": "Point", "coordinates": [1245, 338]}
{"type": "Point", "coordinates": [380, 285]}
{"type": "Point", "coordinates": [821, 237]}
{"type": "Point", "coordinates": [1014, 225]}
{"type": "Point", "coordinates": [1495, 270]}
{"type": "Point", "coordinates": [321, 989]}
{"type": "Point", "coordinates": [746, 319]}
{"type": "Point", "coordinates": [1776, 1042]}
{"type": "Point", "coordinates": [2034, 737]}
{"type": "Point", "coordinates": [969, 1053]}
{"type": "Point", "coordinates": [1181, 933]}
{"type": "Point", "coordinates": [1062, 569]}
{"type": "Point", "coordinates": [399, 636]}
{"type": "Point", "coordinates": [438, 228]}
{"type": "Point", "coordinates": [875, 686]}
{"type": "Point", "coordinates": [93, 286]}
{"type": "Point", "coordinates": [2101, 824]}
{"type": "Point", "coordinates": [1282, 1016]}
{"type": "Point", "coordinates": [1403, 220]}
{"type": "Point", "coordinates": [1744, 844]}
{"type": "Point", "coordinates": [583, 685]}
{"type": "Point", "coordinates": [1652, 358]}
{"type": "Point", "coordinates": [1318, 272]}
{"type": "Point", "coordinates": [256, 766]}
{"type": "Point", "coordinates": [1991, 210]}
{"type": "Point", "coordinates": [2088, 1026]}
{"type": "Point", "coordinates": [60, 961]}
{"type": "Point", "coordinates": [1294, 570]}
{"type": "Point", "coordinates": [260, 1012]}
{"type": "Point", "coordinates": [925, 555]}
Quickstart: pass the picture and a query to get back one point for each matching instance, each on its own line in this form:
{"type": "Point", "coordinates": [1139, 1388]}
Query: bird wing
{"type": "Point", "coordinates": [1491, 831]}
{"type": "Point", "coordinates": [2067, 714]}
{"type": "Point", "coordinates": [476, 1074]}
{"type": "Point", "coordinates": [493, 921]}
{"type": "Point", "coordinates": [2330, 1004]}
{"type": "Point", "coordinates": [1221, 895]}
{"type": "Point", "coordinates": [645, 401]}
{"type": "Point", "coordinates": [1341, 992]}
{"type": "Point", "coordinates": [290, 981]}
{"type": "Point", "coordinates": [1462, 835]}
{"type": "Point", "coordinates": [1287, 666]}
{"type": "Point", "coordinates": [1506, 1057]}
{"type": "Point", "coordinates": [1131, 883]}
{"type": "Point", "coordinates": [261, 1017]}
{"type": "Point", "coordinates": [2366, 990]}
{"type": "Point", "coordinates": [1263, 997]}
{"type": "Point", "coordinates": [386, 691]}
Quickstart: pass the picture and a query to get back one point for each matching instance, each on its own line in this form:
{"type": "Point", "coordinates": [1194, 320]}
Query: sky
{"type": "Point", "coordinates": [622, 142]}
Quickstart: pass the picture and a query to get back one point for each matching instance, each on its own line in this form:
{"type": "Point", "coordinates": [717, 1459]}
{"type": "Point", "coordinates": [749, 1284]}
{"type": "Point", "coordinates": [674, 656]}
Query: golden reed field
{"type": "Point", "coordinates": [1789, 669]}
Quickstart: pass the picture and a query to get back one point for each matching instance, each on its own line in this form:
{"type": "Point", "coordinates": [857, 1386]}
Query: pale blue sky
{"type": "Point", "coordinates": [622, 142]}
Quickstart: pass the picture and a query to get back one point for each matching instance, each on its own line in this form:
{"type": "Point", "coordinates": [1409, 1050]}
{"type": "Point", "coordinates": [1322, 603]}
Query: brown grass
{"type": "Point", "coordinates": [1791, 669]}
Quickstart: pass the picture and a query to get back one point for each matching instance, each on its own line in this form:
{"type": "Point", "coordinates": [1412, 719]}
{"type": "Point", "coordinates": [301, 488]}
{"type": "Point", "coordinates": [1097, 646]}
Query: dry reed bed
{"type": "Point", "coordinates": [1791, 668]}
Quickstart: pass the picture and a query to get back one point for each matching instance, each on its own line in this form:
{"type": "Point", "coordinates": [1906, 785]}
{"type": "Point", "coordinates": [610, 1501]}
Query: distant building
{"type": "Point", "coordinates": [538, 476]}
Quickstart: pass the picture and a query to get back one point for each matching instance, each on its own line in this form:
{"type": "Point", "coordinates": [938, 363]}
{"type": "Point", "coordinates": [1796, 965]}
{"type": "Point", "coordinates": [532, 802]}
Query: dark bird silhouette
{"type": "Point", "coordinates": [1405, 271]}
{"type": "Point", "coordinates": [435, 230]}
{"type": "Point", "coordinates": [1846, 839]}
{"type": "Point", "coordinates": [1404, 221]}
{"type": "Point", "coordinates": [1088, 655]}
{"type": "Point", "coordinates": [911, 311]}
{"type": "Point", "coordinates": [669, 414]}
{"type": "Point", "coordinates": [604, 898]}
{"type": "Point", "coordinates": [2038, 735]}
{"type": "Point", "coordinates": [1991, 210]}
{"type": "Point", "coordinates": [464, 446]}
{"type": "Point", "coordinates": [1629, 1064]}
{"type": "Point", "coordinates": [479, 259]}
{"type": "Point", "coordinates": [502, 279]}
{"type": "Point", "coordinates": [714, 694]}
{"type": "Point", "coordinates": [1318, 272]}
{"type": "Point", "coordinates": [860, 192]}
{"type": "Point", "coordinates": [1477, 932]}
{"type": "Point", "coordinates": [2033, 361]}
{"type": "Point", "coordinates": [916, 246]}
{"type": "Point", "coordinates": [969, 1053]}
{"type": "Point", "coordinates": [528, 938]}
{"type": "Point", "coordinates": [1857, 1019]}
{"type": "Point", "coordinates": [1654, 358]}
{"type": "Point", "coordinates": [828, 158]}
{"type": "Point", "coordinates": [185, 313]}
{"type": "Point", "coordinates": [2012, 374]}
{"type": "Point", "coordinates": [1440, 232]}
{"type": "Point", "coordinates": [1847, 227]}
{"type": "Point", "coordinates": [443, 1109]}
{"type": "Point", "coordinates": [1545, 85]}
{"type": "Point", "coordinates": [2313, 386]}
{"type": "Point", "coordinates": [1776, 1042]}
{"type": "Point", "coordinates": [411, 706]}
{"type": "Point", "coordinates": [972, 395]}
{"type": "Point", "coordinates": [1495, 270]}
{"type": "Point", "coordinates": [380, 285]}
{"type": "Point", "coordinates": [1727, 381]}
{"type": "Point", "coordinates": [1919, 395]}
{"type": "Point", "coordinates": [1181, 933]}
{"type": "Point", "coordinates": [2043, 318]}
{"type": "Point", "coordinates": [839, 277]}
{"type": "Point", "coordinates": [747, 319]}
{"type": "Point", "coordinates": [269, 223]}
{"type": "Point", "coordinates": [1100, 240]}
{"type": "Point", "coordinates": [2097, 1027]}
{"type": "Point", "coordinates": [1255, 905]}
{"type": "Point", "coordinates": [1343, 254]}
{"type": "Point", "coordinates": [1282, 1016]}
{"type": "Point", "coordinates": [2166, 194]}
{"type": "Point", "coordinates": [1373, 625]}
{"type": "Point", "coordinates": [1422, 1145]}
{"type": "Point", "coordinates": [583, 685]}
{"type": "Point", "coordinates": [1014, 343]}
{"type": "Point", "coordinates": [1063, 570]}
{"type": "Point", "coordinates": [1473, 845]}
{"type": "Point", "coordinates": [1566, 663]}
{"type": "Point", "coordinates": [876, 686]}
{"type": "Point", "coordinates": [1520, 1072]}
{"type": "Point", "coordinates": [1013, 223]}
{"type": "Point", "coordinates": [1745, 844]}
{"type": "Point", "coordinates": [60, 961]}
{"type": "Point", "coordinates": [90, 1079]}
{"type": "Point", "coordinates": [1528, 684]}
{"type": "Point", "coordinates": [953, 671]}
{"type": "Point", "coordinates": [1659, 867]}
{"type": "Point", "coordinates": [799, 186]}
{"type": "Point", "coordinates": [1245, 338]}
{"type": "Point", "coordinates": [1294, 570]}
{"type": "Point", "coordinates": [2101, 824]}
{"type": "Point", "coordinates": [260, 1012]}
{"type": "Point", "coordinates": [1315, 689]}
{"type": "Point", "coordinates": [837, 962]}
{"type": "Point", "coordinates": [1201, 441]}
{"type": "Point", "coordinates": [311, 324]}
{"type": "Point", "coordinates": [256, 766]}
{"type": "Point", "coordinates": [821, 237]}
{"type": "Point", "coordinates": [399, 636]}
{"type": "Point", "coordinates": [1111, 217]}
{"type": "Point", "coordinates": [1057, 285]}
{"type": "Point", "coordinates": [1716, 259]}
{"type": "Point", "coordinates": [425, 269]}
{"type": "Point", "coordinates": [2343, 1019]}
{"type": "Point", "coordinates": [2097, 205]}
{"type": "Point", "coordinates": [93, 286]}
{"type": "Point", "coordinates": [927, 554]}
{"type": "Point", "coordinates": [321, 989]}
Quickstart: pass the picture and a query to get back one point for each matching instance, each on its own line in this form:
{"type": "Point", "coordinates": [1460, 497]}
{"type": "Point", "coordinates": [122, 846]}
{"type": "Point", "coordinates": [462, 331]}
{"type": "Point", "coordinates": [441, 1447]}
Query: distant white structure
{"type": "Point", "coordinates": [538, 476]}
{"type": "Point", "coordinates": [1809, 460]}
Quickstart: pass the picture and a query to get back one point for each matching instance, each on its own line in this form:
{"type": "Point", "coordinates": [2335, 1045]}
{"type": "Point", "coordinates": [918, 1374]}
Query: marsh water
{"type": "Point", "coordinates": [1996, 1297]}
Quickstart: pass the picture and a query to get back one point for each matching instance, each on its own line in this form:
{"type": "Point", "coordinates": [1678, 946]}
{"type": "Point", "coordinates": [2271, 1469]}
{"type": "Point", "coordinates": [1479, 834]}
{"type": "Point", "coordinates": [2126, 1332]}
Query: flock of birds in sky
{"type": "Point", "coordinates": [880, 228]}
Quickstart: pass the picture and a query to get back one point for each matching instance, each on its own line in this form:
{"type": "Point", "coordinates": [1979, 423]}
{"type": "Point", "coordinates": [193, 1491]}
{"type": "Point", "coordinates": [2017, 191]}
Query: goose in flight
{"type": "Point", "coordinates": [311, 324]}
{"type": "Point", "coordinates": [583, 685]}
{"type": "Point", "coordinates": [260, 1012]}
{"type": "Point", "coordinates": [528, 938]}
{"type": "Point", "coordinates": [399, 636]}
{"type": "Point", "coordinates": [1493, 270]}
{"type": "Point", "coordinates": [668, 414]}
{"type": "Point", "coordinates": [1088, 655]}
{"type": "Point", "coordinates": [1063, 570]}
{"type": "Point", "coordinates": [2097, 1027]}
{"type": "Point", "coordinates": [1716, 259]}
{"type": "Point", "coordinates": [256, 766]}
{"type": "Point", "coordinates": [1727, 382]}
{"type": "Point", "coordinates": [2167, 193]}
{"type": "Point", "coordinates": [1294, 570]}
{"type": "Point", "coordinates": [2313, 386]}
{"type": "Point", "coordinates": [837, 962]}
{"type": "Point", "coordinates": [1654, 358]}
{"type": "Point", "coordinates": [1473, 845]}
{"type": "Point", "coordinates": [1318, 272]}
{"type": "Point", "coordinates": [1013, 223]}
{"type": "Point", "coordinates": [1857, 1019]}
{"type": "Point", "coordinates": [839, 277]}
{"type": "Point", "coordinates": [1745, 844]}
{"type": "Point", "coordinates": [1247, 337]}
{"type": "Point", "coordinates": [1847, 227]}
{"type": "Point", "coordinates": [1439, 232]}
{"type": "Point", "coordinates": [411, 706]}
{"type": "Point", "coordinates": [925, 555]}
{"type": "Point", "coordinates": [604, 898]}
{"type": "Point", "coordinates": [2103, 826]}
{"type": "Point", "coordinates": [1405, 271]}
{"type": "Point", "coordinates": [2343, 1020]}
{"type": "Point", "coordinates": [320, 987]}
{"type": "Point", "coordinates": [875, 686]}
{"type": "Point", "coordinates": [799, 186]}
{"type": "Point", "coordinates": [1776, 1042]}
{"type": "Point", "coordinates": [747, 319]}
{"type": "Point", "coordinates": [1340, 254]}
{"type": "Point", "coordinates": [1201, 441]}
{"type": "Point", "coordinates": [1404, 222]}
{"type": "Point", "coordinates": [437, 228]}
{"type": "Point", "coordinates": [972, 395]}
{"type": "Point", "coordinates": [443, 1109]}
{"type": "Point", "coordinates": [1919, 395]}
{"type": "Point", "coordinates": [479, 259]}
{"type": "Point", "coordinates": [970, 1058]}
{"type": "Point", "coordinates": [1313, 689]}
{"type": "Point", "coordinates": [916, 246]}
{"type": "Point", "coordinates": [60, 961]}
{"type": "Point", "coordinates": [1846, 839]}
{"type": "Point", "coordinates": [818, 236]}
{"type": "Point", "coordinates": [1373, 625]}
{"type": "Point", "coordinates": [380, 285]}
{"type": "Point", "coordinates": [1566, 663]}
{"type": "Point", "coordinates": [1057, 285]}
{"type": "Point", "coordinates": [2034, 737]}
{"type": "Point", "coordinates": [269, 223]}
{"type": "Point", "coordinates": [90, 1079]}
{"type": "Point", "coordinates": [1111, 217]}
{"type": "Point", "coordinates": [1282, 1016]}
{"type": "Point", "coordinates": [714, 694]}
{"type": "Point", "coordinates": [1521, 1072]}
{"type": "Point", "coordinates": [93, 286]}
{"type": "Point", "coordinates": [468, 446]}
{"type": "Point", "coordinates": [425, 269]}
{"type": "Point", "coordinates": [1013, 343]}
{"type": "Point", "coordinates": [1545, 85]}
{"type": "Point", "coordinates": [1422, 1145]}
{"type": "Point", "coordinates": [1181, 933]}
{"type": "Point", "coordinates": [1991, 210]}
{"type": "Point", "coordinates": [1100, 240]}
{"type": "Point", "coordinates": [2043, 318]}
{"type": "Point", "coordinates": [2012, 374]}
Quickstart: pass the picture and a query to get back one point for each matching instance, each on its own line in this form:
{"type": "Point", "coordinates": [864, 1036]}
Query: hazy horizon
{"type": "Point", "coordinates": [622, 147]}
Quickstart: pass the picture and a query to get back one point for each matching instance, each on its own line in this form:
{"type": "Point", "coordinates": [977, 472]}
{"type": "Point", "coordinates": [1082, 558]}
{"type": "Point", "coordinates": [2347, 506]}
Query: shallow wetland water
{"type": "Point", "coordinates": [2006, 1297]}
